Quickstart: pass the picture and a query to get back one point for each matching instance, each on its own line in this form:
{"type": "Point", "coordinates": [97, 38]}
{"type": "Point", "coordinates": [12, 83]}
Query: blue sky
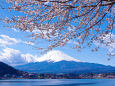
{"type": "Point", "coordinates": [18, 45]}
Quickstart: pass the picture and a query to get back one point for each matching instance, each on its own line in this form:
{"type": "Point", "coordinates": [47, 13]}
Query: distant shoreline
{"type": "Point", "coordinates": [61, 76]}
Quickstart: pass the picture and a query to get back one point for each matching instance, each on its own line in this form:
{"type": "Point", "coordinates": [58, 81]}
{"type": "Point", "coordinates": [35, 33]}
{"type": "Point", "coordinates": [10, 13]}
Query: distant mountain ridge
{"type": "Point", "coordinates": [65, 67]}
{"type": "Point", "coordinates": [58, 62]}
{"type": "Point", "coordinates": [6, 69]}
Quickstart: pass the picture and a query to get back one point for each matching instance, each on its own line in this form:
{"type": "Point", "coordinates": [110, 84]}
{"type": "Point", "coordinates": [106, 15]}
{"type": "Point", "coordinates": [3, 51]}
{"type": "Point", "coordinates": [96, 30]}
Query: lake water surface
{"type": "Point", "coordinates": [58, 82]}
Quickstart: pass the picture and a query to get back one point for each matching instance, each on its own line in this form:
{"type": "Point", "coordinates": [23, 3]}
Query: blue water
{"type": "Point", "coordinates": [58, 82]}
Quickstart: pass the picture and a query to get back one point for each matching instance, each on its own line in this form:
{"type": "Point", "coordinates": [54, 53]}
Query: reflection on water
{"type": "Point", "coordinates": [58, 82]}
{"type": "Point", "coordinates": [77, 84]}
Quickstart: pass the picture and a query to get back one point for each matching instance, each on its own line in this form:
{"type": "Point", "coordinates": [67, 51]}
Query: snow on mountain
{"type": "Point", "coordinates": [56, 56]}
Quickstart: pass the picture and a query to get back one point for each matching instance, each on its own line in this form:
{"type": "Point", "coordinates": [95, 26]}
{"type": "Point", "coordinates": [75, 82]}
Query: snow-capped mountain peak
{"type": "Point", "coordinates": [56, 56]}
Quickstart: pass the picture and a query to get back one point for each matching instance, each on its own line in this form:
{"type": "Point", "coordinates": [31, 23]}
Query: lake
{"type": "Point", "coordinates": [58, 82]}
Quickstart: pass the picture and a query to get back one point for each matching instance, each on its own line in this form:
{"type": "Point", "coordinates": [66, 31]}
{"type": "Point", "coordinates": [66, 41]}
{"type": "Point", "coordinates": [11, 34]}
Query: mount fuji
{"type": "Point", "coordinates": [59, 62]}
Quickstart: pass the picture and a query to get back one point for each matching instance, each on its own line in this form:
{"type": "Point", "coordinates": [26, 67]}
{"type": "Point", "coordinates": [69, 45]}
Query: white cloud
{"type": "Point", "coordinates": [73, 42]}
{"type": "Point", "coordinates": [6, 40]}
{"type": "Point", "coordinates": [29, 57]}
{"type": "Point", "coordinates": [29, 43]}
{"type": "Point", "coordinates": [108, 41]}
{"type": "Point", "coordinates": [15, 30]}
{"type": "Point", "coordinates": [71, 28]}
{"type": "Point", "coordinates": [15, 57]}
{"type": "Point", "coordinates": [10, 56]}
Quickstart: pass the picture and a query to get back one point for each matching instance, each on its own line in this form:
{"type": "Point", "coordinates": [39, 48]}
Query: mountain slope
{"type": "Point", "coordinates": [6, 69]}
{"type": "Point", "coordinates": [65, 67]}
